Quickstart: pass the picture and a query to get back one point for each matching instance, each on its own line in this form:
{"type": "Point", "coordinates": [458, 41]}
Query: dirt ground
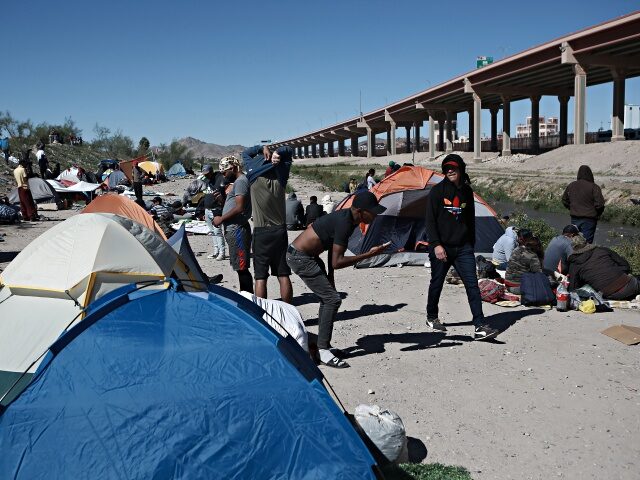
{"type": "Point", "coordinates": [552, 397]}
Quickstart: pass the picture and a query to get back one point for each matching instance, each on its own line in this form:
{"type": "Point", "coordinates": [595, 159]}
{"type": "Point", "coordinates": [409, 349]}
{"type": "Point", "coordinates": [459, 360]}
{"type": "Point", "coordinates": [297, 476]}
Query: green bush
{"type": "Point", "coordinates": [423, 471]}
{"type": "Point", "coordinates": [630, 249]}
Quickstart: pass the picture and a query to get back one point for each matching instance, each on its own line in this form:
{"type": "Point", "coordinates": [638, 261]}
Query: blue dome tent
{"type": "Point", "coordinates": [177, 170]}
{"type": "Point", "coordinates": [166, 383]}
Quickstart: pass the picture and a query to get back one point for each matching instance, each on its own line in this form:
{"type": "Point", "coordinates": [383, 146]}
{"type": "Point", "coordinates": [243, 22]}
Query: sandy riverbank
{"type": "Point", "coordinates": [552, 398]}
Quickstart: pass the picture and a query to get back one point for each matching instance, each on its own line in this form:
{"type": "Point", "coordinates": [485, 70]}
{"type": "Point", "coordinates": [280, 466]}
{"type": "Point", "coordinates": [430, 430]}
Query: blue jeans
{"type": "Point", "coordinates": [216, 232]}
{"type": "Point", "coordinates": [587, 227]}
{"type": "Point", "coordinates": [464, 261]}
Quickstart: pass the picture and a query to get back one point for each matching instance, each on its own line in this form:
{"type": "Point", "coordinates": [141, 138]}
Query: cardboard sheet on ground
{"type": "Point", "coordinates": [192, 226]}
{"type": "Point", "coordinates": [624, 333]}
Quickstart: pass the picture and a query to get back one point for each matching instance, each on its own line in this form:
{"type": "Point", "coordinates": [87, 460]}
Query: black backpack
{"type": "Point", "coordinates": [535, 290]}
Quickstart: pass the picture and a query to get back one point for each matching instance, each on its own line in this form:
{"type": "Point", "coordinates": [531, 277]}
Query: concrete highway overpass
{"type": "Point", "coordinates": [563, 68]}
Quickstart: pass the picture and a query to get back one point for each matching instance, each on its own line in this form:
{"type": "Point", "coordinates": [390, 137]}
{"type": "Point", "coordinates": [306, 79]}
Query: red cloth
{"type": "Point", "coordinates": [27, 205]}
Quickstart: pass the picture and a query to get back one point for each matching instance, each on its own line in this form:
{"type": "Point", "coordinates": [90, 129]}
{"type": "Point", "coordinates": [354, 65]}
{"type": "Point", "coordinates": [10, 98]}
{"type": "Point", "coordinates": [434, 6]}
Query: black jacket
{"type": "Point", "coordinates": [600, 267]}
{"type": "Point", "coordinates": [451, 215]}
{"type": "Point", "coordinates": [583, 197]}
{"type": "Point", "coordinates": [314, 211]}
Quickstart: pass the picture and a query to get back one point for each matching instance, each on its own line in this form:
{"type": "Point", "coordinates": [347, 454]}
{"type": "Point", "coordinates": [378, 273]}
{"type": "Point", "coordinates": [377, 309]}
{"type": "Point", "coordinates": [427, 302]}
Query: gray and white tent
{"type": "Point", "coordinates": [41, 191]}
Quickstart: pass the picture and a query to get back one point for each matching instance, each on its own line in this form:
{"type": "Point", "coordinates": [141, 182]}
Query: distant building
{"type": "Point", "coordinates": [632, 116]}
{"type": "Point", "coordinates": [546, 127]}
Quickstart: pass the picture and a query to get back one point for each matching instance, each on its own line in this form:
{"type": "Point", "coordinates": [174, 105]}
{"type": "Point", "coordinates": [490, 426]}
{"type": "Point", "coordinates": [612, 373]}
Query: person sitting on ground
{"type": "Point", "coordinates": [331, 233]}
{"type": "Point", "coordinates": [353, 185]}
{"type": "Point", "coordinates": [328, 205]}
{"type": "Point", "coordinates": [603, 269]}
{"type": "Point", "coordinates": [557, 253]}
{"type": "Point", "coordinates": [585, 202]}
{"type": "Point", "coordinates": [314, 211]}
{"type": "Point", "coordinates": [526, 258]}
{"type": "Point", "coordinates": [390, 168]}
{"type": "Point", "coordinates": [294, 213]}
{"type": "Point", "coordinates": [506, 244]}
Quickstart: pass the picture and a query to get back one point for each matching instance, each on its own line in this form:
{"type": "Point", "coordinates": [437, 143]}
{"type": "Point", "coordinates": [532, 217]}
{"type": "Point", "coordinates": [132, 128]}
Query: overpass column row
{"type": "Point", "coordinates": [579, 117]}
{"type": "Point", "coordinates": [506, 126]}
{"type": "Point", "coordinates": [617, 121]}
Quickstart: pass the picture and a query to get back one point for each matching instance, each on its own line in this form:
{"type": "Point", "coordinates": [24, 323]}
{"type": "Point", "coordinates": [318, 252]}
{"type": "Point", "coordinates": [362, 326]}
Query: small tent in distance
{"type": "Point", "coordinates": [177, 170]}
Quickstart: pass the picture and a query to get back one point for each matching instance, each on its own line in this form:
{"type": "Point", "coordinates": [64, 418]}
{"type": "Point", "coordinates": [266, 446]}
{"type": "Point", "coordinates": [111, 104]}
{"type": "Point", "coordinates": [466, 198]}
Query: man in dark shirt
{"type": "Point", "coordinates": [331, 233]}
{"type": "Point", "coordinates": [137, 175]}
{"type": "Point", "coordinates": [451, 231]}
{"type": "Point", "coordinates": [314, 211]}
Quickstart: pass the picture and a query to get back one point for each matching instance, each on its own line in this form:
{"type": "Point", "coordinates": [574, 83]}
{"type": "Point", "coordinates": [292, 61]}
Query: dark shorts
{"type": "Point", "coordinates": [270, 252]}
{"type": "Point", "coordinates": [238, 239]}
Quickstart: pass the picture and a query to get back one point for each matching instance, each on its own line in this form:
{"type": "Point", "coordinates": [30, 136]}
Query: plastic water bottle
{"type": "Point", "coordinates": [562, 298]}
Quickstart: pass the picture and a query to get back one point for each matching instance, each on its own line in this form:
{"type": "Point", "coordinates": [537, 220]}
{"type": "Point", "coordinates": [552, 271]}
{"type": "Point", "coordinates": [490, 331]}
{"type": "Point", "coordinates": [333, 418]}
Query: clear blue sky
{"type": "Point", "coordinates": [241, 71]}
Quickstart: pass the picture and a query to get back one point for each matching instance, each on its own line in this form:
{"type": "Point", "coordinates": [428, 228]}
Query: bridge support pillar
{"type": "Point", "coordinates": [564, 118]}
{"type": "Point", "coordinates": [449, 137]}
{"type": "Point", "coordinates": [494, 127]}
{"type": "Point", "coordinates": [306, 151]}
{"type": "Point", "coordinates": [580, 98]}
{"type": "Point", "coordinates": [371, 143]}
{"type": "Point", "coordinates": [314, 150]}
{"type": "Point", "coordinates": [341, 147]}
{"type": "Point", "coordinates": [477, 128]}
{"type": "Point", "coordinates": [432, 137]}
{"type": "Point", "coordinates": [321, 149]}
{"type": "Point", "coordinates": [535, 124]}
{"type": "Point", "coordinates": [407, 147]}
{"type": "Point", "coordinates": [441, 133]}
{"type": "Point", "coordinates": [617, 120]}
{"type": "Point", "coordinates": [331, 151]}
{"type": "Point", "coordinates": [416, 135]}
{"type": "Point", "coordinates": [506, 126]}
{"type": "Point", "coordinates": [354, 146]}
{"type": "Point", "coordinates": [391, 138]}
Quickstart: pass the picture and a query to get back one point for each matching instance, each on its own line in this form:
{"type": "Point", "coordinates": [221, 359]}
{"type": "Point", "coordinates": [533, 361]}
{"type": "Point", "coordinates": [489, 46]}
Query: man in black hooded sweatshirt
{"type": "Point", "coordinates": [451, 230]}
{"type": "Point", "coordinates": [585, 202]}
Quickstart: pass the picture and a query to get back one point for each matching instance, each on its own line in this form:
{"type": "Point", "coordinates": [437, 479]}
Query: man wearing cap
{"type": "Point", "coordinates": [331, 233]}
{"type": "Point", "coordinates": [235, 218]}
{"type": "Point", "coordinates": [558, 251]}
{"type": "Point", "coordinates": [213, 201]}
{"type": "Point", "coordinates": [451, 231]}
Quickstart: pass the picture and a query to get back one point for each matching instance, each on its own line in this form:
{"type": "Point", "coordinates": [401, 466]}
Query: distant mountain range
{"type": "Point", "coordinates": [209, 150]}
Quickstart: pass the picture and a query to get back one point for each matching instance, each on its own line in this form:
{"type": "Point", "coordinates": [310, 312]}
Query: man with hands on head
{"type": "Point", "coordinates": [331, 233]}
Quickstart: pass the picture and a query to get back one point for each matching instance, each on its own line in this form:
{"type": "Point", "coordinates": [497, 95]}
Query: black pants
{"type": "Point", "coordinates": [137, 189]}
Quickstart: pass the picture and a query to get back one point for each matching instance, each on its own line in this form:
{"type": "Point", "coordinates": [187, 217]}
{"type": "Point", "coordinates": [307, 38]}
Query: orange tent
{"type": "Point", "coordinates": [125, 207]}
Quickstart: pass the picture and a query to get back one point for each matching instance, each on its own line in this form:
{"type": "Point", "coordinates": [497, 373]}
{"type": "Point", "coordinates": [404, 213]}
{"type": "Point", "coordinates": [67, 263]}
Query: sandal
{"type": "Point", "coordinates": [335, 362]}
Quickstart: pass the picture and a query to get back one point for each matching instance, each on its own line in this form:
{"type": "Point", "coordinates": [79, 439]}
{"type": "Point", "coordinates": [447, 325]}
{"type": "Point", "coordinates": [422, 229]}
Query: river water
{"type": "Point", "coordinates": [607, 234]}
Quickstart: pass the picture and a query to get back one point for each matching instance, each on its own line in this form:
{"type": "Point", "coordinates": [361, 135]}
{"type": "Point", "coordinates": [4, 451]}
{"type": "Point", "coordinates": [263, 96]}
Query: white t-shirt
{"type": "Point", "coordinates": [39, 154]}
{"type": "Point", "coordinates": [282, 316]}
{"type": "Point", "coordinates": [370, 182]}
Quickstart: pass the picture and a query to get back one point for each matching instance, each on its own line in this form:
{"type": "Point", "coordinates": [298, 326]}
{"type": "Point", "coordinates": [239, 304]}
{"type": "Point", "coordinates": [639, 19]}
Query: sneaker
{"type": "Point", "coordinates": [213, 255]}
{"type": "Point", "coordinates": [436, 324]}
{"type": "Point", "coordinates": [221, 256]}
{"type": "Point", "coordinates": [485, 332]}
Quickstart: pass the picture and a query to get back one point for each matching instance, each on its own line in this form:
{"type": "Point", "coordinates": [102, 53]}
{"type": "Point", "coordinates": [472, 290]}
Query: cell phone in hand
{"type": "Point", "coordinates": [386, 244]}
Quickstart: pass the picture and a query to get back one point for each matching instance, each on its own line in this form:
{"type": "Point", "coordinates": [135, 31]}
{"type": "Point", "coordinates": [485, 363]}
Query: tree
{"type": "Point", "coordinates": [168, 155]}
{"type": "Point", "coordinates": [143, 147]}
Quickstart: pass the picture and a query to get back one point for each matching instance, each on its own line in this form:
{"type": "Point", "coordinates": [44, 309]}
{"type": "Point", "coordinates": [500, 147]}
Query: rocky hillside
{"type": "Point", "coordinates": [209, 150]}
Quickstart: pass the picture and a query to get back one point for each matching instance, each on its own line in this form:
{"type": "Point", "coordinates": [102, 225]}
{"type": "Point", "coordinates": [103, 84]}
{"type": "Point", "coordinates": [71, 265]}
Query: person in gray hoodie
{"type": "Point", "coordinates": [507, 243]}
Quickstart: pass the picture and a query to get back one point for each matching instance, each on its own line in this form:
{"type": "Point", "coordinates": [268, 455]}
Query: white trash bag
{"type": "Point", "coordinates": [386, 430]}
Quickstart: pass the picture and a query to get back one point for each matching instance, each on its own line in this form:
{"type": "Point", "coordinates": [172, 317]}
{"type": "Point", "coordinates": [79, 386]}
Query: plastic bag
{"type": "Point", "coordinates": [386, 430]}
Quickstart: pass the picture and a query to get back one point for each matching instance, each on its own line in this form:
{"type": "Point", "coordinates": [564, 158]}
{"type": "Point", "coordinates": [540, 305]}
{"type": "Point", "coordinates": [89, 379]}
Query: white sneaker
{"type": "Point", "coordinates": [221, 256]}
{"type": "Point", "coordinates": [213, 255]}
